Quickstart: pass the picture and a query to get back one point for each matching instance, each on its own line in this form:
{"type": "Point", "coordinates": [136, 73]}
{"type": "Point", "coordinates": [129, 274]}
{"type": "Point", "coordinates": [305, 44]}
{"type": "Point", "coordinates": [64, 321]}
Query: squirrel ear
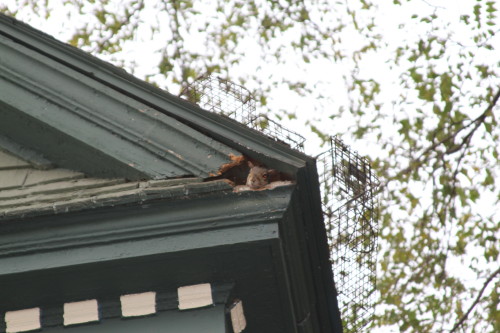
{"type": "Point", "coordinates": [250, 164]}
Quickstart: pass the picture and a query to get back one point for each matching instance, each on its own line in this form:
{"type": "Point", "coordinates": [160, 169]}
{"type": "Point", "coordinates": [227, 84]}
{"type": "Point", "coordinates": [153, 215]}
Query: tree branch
{"type": "Point", "coordinates": [476, 301]}
{"type": "Point", "coordinates": [424, 156]}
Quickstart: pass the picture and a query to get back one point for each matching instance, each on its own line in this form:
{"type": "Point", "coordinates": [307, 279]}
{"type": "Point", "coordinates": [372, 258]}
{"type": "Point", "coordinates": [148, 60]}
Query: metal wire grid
{"type": "Point", "coordinates": [349, 205]}
{"type": "Point", "coordinates": [235, 101]}
{"type": "Point", "coordinates": [276, 131]}
{"type": "Point", "coordinates": [348, 191]}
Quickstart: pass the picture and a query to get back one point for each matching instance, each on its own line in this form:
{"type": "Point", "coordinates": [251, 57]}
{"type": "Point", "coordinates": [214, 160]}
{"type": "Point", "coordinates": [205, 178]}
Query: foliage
{"type": "Point", "coordinates": [422, 82]}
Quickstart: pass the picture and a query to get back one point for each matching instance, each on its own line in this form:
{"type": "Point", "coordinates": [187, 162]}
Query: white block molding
{"type": "Point", "coordinates": [195, 296]}
{"type": "Point", "coordinates": [81, 312]}
{"type": "Point", "coordinates": [238, 319]}
{"type": "Point", "coordinates": [142, 304]}
{"type": "Point", "coordinates": [23, 320]}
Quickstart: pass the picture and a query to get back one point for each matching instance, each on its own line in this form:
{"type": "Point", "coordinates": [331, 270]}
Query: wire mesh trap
{"type": "Point", "coordinates": [276, 131]}
{"type": "Point", "coordinates": [235, 101]}
{"type": "Point", "coordinates": [348, 188]}
{"type": "Point", "coordinates": [348, 193]}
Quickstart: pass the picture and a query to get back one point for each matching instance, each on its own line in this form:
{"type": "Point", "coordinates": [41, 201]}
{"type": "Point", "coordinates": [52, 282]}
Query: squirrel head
{"type": "Point", "coordinates": [258, 176]}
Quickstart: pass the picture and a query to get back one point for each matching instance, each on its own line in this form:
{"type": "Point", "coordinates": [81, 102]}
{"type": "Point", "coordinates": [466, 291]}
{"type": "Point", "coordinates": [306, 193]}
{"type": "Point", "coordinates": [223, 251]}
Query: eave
{"type": "Point", "coordinates": [224, 130]}
{"type": "Point", "coordinates": [157, 245]}
{"type": "Point", "coordinates": [303, 244]}
{"type": "Point", "coordinates": [82, 124]}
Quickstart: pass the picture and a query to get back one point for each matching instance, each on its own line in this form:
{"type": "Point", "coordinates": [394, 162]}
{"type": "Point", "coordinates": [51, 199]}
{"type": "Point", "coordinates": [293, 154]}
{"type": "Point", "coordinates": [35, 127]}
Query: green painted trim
{"type": "Point", "coordinates": [203, 320]}
{"type": "Point", "coordinates": [219, 237]}
{"type": "Point", "coordinates": [109, 195]}
{"type": "Point", "coordinates": [110, 308]}
{"type": "Point", "coordinates": [32, 157]}
{"type": "Point", "coordinates": [122, 232]}
{"type": "Point", "coordinates": [315, 247]}
{"type": "Point", "coordinates": [223, 129]}
{"type": "Point", "coordinates": [128, 132]}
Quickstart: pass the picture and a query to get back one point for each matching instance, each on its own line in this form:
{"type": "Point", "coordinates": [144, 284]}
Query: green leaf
{"type": "Point", "coordinates": [445, 87]}
{"type": "Point", "coordinates": [474, 195]}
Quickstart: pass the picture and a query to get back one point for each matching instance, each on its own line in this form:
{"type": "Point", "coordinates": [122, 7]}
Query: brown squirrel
{"type": "Point", "coordinates": [258, 176]}
{"type": "Point", "coordinates": [261, 178]}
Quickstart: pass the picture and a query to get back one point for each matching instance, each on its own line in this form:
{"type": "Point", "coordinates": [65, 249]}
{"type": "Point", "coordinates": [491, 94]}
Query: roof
{"type": "Point", "coordinates": [45, 57]}
{"type": "Point", "coordinates": [81, 124]}
{"type": "Point", "coordinates": [84, 142]}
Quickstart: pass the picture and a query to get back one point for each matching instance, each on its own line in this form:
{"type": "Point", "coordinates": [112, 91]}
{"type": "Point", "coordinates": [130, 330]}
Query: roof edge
{"type": "Point", "coordinates": [87, 117]}
{"type": "Point", "coordinates": [126, 223]}
{"type": "Point", "coordinates": [227, 131]}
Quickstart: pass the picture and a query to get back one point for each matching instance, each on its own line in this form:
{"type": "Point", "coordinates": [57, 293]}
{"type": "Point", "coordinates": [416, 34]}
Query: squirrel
{"type": "Point", "coordinates": [261, 178]}
{"type": "Point", "coordinates": [258, 176]}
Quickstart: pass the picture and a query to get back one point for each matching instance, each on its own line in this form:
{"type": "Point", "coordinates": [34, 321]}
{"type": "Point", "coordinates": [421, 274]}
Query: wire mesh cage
{"type": "Point", "coordinates": [221, 96]}
{"type": "Point", "coordinates": [235, 101]}
{"type": "Point", "coordinates": [351, 214]}
{"type": "Point", "coordinates": [276, 131]}
{"type": "Point", "coordinates": [348, 188]}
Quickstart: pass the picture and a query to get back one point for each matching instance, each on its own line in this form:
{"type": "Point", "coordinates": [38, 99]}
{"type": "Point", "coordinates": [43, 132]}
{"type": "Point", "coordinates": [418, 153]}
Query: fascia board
{"type": "Point", "coordinates": [130, 232]}
{"type": "Point", "coordinates": [313, 243]}
{"type": "Point", "coordinates": [108, 252]}
{"type": "Point", "coordinates": [129, 132]}
{"type": "Point", "coordinates": [211, 319]}
{"type": "Point", "coordinates": [225, 130]}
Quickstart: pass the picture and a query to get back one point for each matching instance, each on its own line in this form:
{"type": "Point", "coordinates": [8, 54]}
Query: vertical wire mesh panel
{"type": "Point", "coordinates": [236, 102]}
{"type": "Point", "coordinates": [348, 193]}
{"type": "Point", "coordinates": [351, 214]}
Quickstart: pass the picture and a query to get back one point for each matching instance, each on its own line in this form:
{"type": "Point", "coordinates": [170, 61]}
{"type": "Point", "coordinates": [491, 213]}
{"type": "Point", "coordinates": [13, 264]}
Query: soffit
{"type": "Point", "coordinates": [26, 191]}
{"type": "Point", "coordinates": [217, 237]}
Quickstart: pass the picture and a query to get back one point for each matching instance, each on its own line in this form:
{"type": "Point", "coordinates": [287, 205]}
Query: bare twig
{"type": "Point", "coordinates": [476, 301]}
